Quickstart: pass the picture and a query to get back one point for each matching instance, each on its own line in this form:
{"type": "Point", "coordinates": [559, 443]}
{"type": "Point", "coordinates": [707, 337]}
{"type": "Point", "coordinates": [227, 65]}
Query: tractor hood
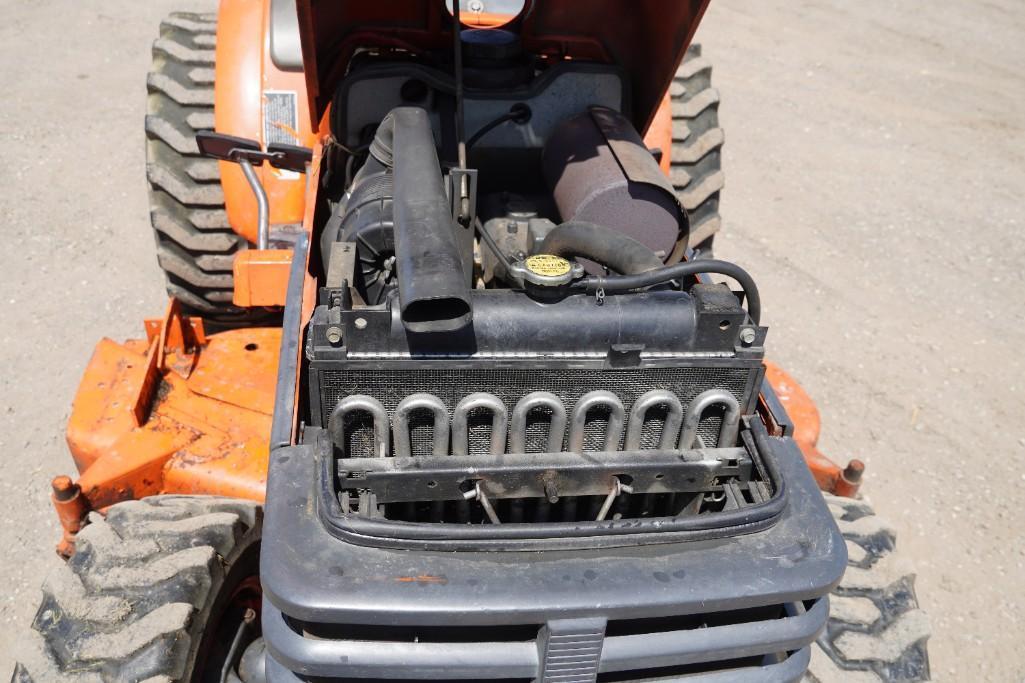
{"type": "Point", "coordinates": [646, 38]}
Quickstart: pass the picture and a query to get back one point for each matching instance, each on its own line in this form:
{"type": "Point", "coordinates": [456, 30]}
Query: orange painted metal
{"type": "Point", "coordinates": [261, 277]}
{"type": "Point", "coordinates": [484, 19]}
{"type": "Point", "coordinates": [831, 477]}
{"type": "Point", "coordinates": [71, 511]}
{"type": "Point", "coordinates": [244, 72]}
{"type": "Point", "coordinates": [648, 38]}
{"type": "Point", "coordinates": [660, 132]}
{"type": "Point", "coordinates": [184, 412]}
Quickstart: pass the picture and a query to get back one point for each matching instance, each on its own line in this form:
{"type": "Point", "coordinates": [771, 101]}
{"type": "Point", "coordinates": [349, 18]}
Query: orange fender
{"type": "Point", "coordinates": [252, 98]}
{"type": "Point", "coordinates": [660, 132]}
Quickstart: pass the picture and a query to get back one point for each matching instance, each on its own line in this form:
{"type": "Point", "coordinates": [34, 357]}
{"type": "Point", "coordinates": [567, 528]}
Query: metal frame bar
{"type": "Point", "coordinates": [405, 479]}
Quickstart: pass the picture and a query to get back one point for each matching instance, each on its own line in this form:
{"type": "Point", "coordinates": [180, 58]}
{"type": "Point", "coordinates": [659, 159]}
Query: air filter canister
{"type": "Point", "coordinates": [599, 170]}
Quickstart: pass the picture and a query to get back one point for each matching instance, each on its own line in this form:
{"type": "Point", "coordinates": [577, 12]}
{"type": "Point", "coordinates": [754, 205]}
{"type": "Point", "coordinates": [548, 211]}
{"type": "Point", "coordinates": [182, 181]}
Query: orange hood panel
{"type": "Point", "coordinates": [647, 38]}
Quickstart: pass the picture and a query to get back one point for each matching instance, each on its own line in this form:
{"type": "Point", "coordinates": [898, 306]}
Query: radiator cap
{"type": "Point", "coordinates": [547, 270]}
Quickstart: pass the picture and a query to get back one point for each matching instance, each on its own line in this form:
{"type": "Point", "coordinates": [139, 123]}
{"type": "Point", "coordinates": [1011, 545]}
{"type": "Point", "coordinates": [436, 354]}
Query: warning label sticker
{"type": "Point", "coordinates": [280, 117]}
{"type": "Point", "coordinates": [281, 121]}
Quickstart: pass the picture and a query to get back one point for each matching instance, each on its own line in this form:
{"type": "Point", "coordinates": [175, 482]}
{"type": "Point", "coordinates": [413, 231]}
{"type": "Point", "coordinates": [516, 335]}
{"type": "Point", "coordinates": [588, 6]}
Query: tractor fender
{"type": "Point", "coordinates": [660, 132]}
{"type": "Point", "coordinates": [254, 98]}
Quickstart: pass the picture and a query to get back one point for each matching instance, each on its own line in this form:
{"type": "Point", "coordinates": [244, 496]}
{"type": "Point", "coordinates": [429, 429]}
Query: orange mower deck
{"type": "Point", "coordinates": [178, 412]}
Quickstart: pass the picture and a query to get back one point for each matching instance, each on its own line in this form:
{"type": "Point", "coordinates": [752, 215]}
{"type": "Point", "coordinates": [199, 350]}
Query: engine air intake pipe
{"type": "Point", "coordinates": [433, 293]}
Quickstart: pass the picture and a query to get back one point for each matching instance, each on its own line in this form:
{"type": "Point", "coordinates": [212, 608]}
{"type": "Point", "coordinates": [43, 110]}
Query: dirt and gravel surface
{"type": "Point", "coordinates": [875, 164]}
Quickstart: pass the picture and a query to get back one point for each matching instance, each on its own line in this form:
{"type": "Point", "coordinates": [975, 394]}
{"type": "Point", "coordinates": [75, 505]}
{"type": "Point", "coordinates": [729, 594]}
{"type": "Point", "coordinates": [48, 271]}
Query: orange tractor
{"type": "Point", "coordinates": [448, 386]}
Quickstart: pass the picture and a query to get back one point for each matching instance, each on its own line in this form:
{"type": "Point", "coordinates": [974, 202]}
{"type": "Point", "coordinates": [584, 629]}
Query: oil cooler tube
{"type": "Point", "coordinates": [433, 294]}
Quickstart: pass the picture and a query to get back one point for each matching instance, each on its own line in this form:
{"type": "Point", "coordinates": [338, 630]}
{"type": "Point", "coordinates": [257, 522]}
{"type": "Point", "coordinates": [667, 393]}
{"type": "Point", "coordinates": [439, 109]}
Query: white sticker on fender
{"type": "Point", "coordinates": [281, 122]}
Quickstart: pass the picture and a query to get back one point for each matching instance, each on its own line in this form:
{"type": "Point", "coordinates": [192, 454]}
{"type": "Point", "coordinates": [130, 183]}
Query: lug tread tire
{"type": "Point", "coordinates": [876, 631]}
{"type": "Point", "coordinates": [696, 155]}
{"type": "Point", "coordinates": [130, 603]}
{"type": "Point", "coordinates": [195, 243]}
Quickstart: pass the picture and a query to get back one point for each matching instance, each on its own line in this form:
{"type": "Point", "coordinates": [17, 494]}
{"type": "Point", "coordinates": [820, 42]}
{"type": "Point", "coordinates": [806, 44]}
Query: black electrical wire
{"type": "Point", "coordinates": [520, 113]}
{"type": "Point", "coordinates": [624, 283]}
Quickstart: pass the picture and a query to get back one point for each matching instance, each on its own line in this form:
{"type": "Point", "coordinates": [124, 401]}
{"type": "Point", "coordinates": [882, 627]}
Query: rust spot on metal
{"type": "Point", "coordinates": [423, 579]}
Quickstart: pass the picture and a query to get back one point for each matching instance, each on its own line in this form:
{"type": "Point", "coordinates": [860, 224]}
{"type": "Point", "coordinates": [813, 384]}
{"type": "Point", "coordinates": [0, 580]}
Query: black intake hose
{"type": "Point", "coordinates": [433, 293]}
{"type": "Point", "coordinates": [624, 283]}
{"type": "Point", "coordinates": [600, 244]}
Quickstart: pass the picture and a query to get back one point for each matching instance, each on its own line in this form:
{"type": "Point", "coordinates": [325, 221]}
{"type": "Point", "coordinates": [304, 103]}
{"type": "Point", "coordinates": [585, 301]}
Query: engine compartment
{"type": "Point", "coordinates": [509, 333]}
{"type": "Point", "coordinates": [529, 126]}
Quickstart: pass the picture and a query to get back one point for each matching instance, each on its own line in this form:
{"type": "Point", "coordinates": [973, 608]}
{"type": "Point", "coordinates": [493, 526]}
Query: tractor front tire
{"type": "Point", "coordinates": [154, 591]}
{"type": "Point", "coordinates": [876, 631]}
{"type": "Point", "coordinates": [696, 163]}
{"type": "Point", "coordinates": [195, 243]}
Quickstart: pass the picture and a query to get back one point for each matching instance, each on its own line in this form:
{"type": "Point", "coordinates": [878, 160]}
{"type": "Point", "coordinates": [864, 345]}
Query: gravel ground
{"type": "Point", "coordinates": [876, 168]}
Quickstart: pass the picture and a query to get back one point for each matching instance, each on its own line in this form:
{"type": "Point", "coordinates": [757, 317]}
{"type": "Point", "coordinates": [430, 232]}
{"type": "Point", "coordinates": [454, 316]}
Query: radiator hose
{"type": "Point", "coordinates": [639, 265]}
{"type": "Point", "coordinates": [610, 248]}
{"type": "Point", "coordinates": [624, 283]}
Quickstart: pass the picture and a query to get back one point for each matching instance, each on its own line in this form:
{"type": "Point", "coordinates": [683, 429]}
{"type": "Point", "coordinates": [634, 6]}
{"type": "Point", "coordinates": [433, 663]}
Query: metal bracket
{"type": "Point", "coordinates": [342, 270]}
{"type": "Point", "coordinates": [477, 493]}
{"type": "Point", "coordinates": [618, 487]}
{"type": "Point", "coordinates": [463, 184]}
{"type": "Point", "coordinates": [544, 475]}
{"type": "Point", "coordinates": [247, 154]}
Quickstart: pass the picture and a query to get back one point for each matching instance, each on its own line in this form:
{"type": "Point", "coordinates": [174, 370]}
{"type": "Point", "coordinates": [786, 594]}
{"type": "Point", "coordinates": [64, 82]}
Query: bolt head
{"type": "Point", "coordinates": [334, 334]}
{"type": "Point", "coordinates": [361, 323]}
{"type": "Point", "coordinates": [747, 335]}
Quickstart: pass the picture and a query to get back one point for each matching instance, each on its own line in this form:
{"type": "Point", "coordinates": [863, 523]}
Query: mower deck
{"type": "Point", "coordinates": [180, 412]}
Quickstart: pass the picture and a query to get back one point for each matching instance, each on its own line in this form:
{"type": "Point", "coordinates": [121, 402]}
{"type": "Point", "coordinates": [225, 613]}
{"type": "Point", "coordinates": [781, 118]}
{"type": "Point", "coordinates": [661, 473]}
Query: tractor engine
{"type": "Point", "coordinates": [533, 444]}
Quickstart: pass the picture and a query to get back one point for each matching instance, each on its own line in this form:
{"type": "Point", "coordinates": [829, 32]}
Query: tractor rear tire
{"type": "Point", "coordinates": [876, 631]}
{"type": "Point", "coordinates": [154, 590]}
{"type": "Point", "coordinates": [696, 161]}
{"type": "Point", "coordinates": [195, 244]}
